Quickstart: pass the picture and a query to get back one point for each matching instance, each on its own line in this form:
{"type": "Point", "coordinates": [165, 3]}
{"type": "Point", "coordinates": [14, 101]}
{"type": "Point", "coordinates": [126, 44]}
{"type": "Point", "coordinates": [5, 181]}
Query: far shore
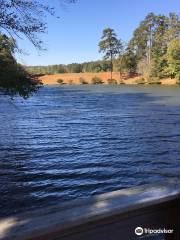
{"type": "Point", "coordinates": [74, 78]}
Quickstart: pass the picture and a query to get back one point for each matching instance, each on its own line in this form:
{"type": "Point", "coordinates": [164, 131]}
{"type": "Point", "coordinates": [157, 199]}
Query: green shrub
{"type": "Point", "coordinates": [96, 80]}
{"type": "Point", "coordinates": [70, 81]}
{"type": "Point", "coordinates": [178, 81]}
{"type": "Point", "coordinates": [82, 81]}
{"type": "Point", "coordinates": [60, 81]}
{"type": "Point", "coordinates": [121, 82]}
{"type": "Point", "coordinates": [154, 80]}
{"type": "Point", "coordinates": [178, 78]}
{"type": "Point", "coordinates": [140, 81]}
{"type": "Point", "coordinates": [112, 81]}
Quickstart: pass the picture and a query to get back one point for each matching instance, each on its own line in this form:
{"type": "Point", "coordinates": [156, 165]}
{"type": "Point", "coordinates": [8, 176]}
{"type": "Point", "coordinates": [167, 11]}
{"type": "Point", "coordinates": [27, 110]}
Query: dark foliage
{"type": "Point", "coordinates": [14, 79]}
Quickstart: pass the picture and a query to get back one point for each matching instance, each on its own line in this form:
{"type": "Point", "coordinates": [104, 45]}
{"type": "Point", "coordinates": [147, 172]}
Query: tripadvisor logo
{"type": "Point", "coordinates": [139, 231]}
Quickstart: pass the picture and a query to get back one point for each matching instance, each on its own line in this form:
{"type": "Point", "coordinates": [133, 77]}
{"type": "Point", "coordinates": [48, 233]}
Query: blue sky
{"type": "Point", "coordinates": [75, 36]}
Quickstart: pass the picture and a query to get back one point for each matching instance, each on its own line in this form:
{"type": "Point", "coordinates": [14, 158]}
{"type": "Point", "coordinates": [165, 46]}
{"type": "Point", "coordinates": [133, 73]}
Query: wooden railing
{"type": "Point", "coordinates": [110, 216]}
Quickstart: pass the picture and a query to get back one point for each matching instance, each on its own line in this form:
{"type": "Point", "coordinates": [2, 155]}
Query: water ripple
{"type": "Point", "coordinates": [71, 142]}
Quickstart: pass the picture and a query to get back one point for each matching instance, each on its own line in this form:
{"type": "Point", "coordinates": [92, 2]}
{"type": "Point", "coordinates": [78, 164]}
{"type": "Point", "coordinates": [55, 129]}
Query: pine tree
{"type": "Point", "coordinates": [109, 45]}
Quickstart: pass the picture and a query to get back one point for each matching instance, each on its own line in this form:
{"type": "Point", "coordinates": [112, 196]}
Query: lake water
{"type": "Point", "coordinates": [75, 141]}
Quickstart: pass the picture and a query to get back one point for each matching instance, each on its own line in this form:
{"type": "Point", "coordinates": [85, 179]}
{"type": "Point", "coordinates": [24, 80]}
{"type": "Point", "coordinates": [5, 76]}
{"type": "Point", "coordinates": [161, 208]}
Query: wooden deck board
{"type": "Point", "coordinates": [106, 216]}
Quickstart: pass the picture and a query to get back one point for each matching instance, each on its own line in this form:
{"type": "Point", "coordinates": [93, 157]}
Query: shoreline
{"type": "Point", "coordinates": [74, 79]}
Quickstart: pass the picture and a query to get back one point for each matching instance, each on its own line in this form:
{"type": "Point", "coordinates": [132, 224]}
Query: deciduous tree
{"type": "Point", "coordinates": [19, 18]}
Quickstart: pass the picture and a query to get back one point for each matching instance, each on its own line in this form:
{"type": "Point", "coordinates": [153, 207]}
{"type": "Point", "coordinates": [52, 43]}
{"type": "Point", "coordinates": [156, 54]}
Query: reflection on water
{"type": "Point", "coordinates": [71, 142]}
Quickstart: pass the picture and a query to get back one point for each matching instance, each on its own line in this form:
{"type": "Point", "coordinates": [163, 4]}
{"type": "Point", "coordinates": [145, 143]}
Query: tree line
{"type": "Point", "coordinates": [153, 51]}
{"type": "Point", "coordinates": [93, 66]}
